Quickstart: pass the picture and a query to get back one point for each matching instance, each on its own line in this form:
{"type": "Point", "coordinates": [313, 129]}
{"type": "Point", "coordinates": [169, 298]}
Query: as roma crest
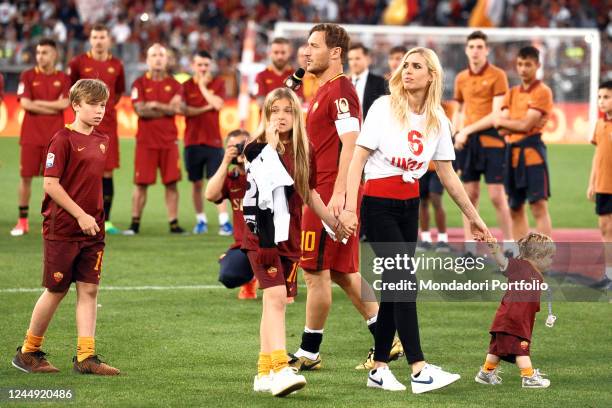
{"type": "Point", "coordinates": [58, 276]}
{"type": "Point", "coordinates": [111, 70]}
{"type": "Point", "coordinates": [57, 84]}
{"type": "Point", "coordinates": [167, 88]}
{"type": "Point", "coordinates": [272, 271]}
{"type": "Point", "coordinates": [103, 148]}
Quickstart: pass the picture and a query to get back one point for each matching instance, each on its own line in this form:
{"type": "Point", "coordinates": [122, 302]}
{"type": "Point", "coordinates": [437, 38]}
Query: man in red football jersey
{"type": "Point", "coordinates": [157, 99]}
{"type": "Point", "coordinates": [99, 63]}
{"type": "Point", "coordinates": [333, 124]}
{"type": "Point", "coordinates": [43, 94]}
{"type": "Point", "coordinates": [203, 145]}
{"type": "Point", "coordinates": [279, 69]}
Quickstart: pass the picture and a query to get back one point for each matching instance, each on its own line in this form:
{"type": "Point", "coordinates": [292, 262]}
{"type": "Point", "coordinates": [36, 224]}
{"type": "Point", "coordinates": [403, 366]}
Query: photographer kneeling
{"type": "Point", "coordinates": [235, 269]}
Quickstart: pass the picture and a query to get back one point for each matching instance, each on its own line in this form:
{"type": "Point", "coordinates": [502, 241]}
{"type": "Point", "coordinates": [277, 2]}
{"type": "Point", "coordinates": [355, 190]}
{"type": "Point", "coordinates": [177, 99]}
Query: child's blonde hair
{"type": "Point", "coordinates": [301, 150]}
{"type": "Point", "coordinates": [89, 91]}
{"type": "Point", "coordinates": [535, 246]}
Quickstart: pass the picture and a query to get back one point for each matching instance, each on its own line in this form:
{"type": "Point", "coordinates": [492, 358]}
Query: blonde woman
{"type": "Point", "coordinates": [279, 157]}
{"type": "Point", "coordinates": [403, 132]}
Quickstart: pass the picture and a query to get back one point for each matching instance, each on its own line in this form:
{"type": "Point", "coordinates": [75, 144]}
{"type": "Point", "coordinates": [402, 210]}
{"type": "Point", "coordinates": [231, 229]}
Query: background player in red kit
{"type": "Point", "coordinates": [157, 99]}
{"type": "Point", "coordinates": [332, 123]}
{"type": "Point", "coordinates": [235, 269]}
{"type": "Point", "coordinates": [279, 69]}
{"type": "Point", "coordinates": [43, 94]}
{"type": "Point", "coordinates": [203, 146]}
{"type": "Point", "coordinates": [99, 63]}
{"type": "Point", "coordinates": [73, 232]}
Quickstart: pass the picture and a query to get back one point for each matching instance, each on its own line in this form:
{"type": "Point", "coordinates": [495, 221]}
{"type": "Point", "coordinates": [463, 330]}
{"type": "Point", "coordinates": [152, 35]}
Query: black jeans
{"type": "Point", "coordinates": [392, 228]}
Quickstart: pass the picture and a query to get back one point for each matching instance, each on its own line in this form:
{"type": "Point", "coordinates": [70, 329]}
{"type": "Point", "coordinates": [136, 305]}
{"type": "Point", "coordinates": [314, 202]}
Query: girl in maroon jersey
{"type": "Point", "coordinates": [281, 136]}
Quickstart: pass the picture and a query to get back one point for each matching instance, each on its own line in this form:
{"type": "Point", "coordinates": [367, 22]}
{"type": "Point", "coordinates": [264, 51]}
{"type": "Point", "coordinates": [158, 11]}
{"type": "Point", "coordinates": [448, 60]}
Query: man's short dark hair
{"type": "Point", "coordinates": [99, 27]}
{"type": "Point", "coordinates": [398, 49]}
{"type": "Point", "coordinates": [47, 41]}
{"type": "Point", "coordinates": [280, 40]}
{"type": "Point", "coordinates": [335, 36]}
{"type": "Point", "coordinates": [529, 52]}
{"type": "Point", "coordinates": [477, 35]}
{"type": "Point", "coordinates": [360, 46]}
{"type": "Point", "coordinates": [606, 85]}
{"type": "Point", "coordinates": [202, 54]}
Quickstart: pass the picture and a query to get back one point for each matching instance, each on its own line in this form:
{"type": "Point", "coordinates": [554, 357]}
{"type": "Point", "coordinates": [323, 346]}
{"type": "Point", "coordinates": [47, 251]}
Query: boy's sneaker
{"type": "Point", "coordinates": [129, 232]}
{"type": "Point", "coordinates": [226, 229]}
{"type": "Point", "coordinates": [442, 247]}
{"type": "Point", "coordinates": [383, 378]}
{"type": "Point", "coordinates": [110, 229]}
{"type": "Point", "coordinates": [34, 362]}
{"type": "Point", "coordinates": [432, 378]}
{"type": "Point", "coordinates": [304, 363]}
{"type": "Point", "coordinates": [200, 228]}
{"type": "Point", "coordinates": [248, 290]}
{"type": "Point", "coordinates": [536, 380]}
{"type": "Point", "coordinates": [22, 227]}
{"type": "Point", "coordinates": [286, 381]}
{"type": "Point", "coordinates": [93, 365]}
{"type": "Point", "coordinates": [263, 384]}
{"type": "Point", "coordinates": [488, 378]}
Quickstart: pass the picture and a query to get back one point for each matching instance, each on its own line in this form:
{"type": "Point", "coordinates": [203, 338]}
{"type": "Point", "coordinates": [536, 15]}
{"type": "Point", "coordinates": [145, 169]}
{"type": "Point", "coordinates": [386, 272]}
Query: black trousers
{"type": "Point", "coordinates": [392, 229]}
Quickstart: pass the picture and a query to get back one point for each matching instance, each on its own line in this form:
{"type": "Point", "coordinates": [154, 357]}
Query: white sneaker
{"type": "Point", "coordinates": [431, 378]}
{"type": "Point", "coordinates": [286, 381]}
{"type": "Point", "coordinates": [536, 380]}
{"type": "Point", "coordinates": [262, 384]}
{"type": "Point", "coordinates": [384, 378]}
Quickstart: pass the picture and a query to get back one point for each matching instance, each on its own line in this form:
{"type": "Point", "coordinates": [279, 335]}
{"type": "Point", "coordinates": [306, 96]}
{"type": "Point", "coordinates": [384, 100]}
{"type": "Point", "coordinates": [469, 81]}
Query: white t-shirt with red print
{"type": "Point", "coordinates": [402, 150]}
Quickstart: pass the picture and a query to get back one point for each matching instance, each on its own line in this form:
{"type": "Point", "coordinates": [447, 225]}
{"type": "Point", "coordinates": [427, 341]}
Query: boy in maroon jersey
{"type": "Point", "coordinates": [203, 145]}
{"type": "Point", "coordinates": [235, 269]}
{"type": "Point", "coordinates": [513, 324]}
{"type": "Point", "coordinates": [99, 63]}
{"type": "Point", "coordinates": [73, 231]}
{"type": "Point", "coordinates": [157, 99]}
{"type": "Point", "coordinates": [43, 94]}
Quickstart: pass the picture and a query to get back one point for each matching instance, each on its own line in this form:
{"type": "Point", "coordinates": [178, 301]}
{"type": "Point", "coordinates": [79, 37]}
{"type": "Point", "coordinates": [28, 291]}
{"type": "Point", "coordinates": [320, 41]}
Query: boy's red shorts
{"type": "Point", "coordinates": [70, 261]}
{"type": "Point", "coordinates": [508, 347]}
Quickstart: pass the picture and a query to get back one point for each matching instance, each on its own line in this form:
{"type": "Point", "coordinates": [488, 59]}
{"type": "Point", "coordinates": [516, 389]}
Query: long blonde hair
{"type": "Point", "coordinates": [299, 139]}
{"type": "Point", "coordinates": [433, 94]}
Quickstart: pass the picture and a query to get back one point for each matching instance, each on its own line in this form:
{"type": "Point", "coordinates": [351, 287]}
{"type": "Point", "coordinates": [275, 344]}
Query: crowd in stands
{"type": "Point", "coordinates": [219, 25]}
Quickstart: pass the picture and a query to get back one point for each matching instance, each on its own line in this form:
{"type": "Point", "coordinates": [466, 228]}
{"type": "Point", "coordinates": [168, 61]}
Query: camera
{"type": "Point", "coordinates": [240, 148]}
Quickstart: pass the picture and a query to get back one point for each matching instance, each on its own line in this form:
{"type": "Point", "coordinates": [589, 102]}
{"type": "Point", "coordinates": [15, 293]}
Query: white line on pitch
{"type": "Point", "coordinates": [130, 288]}
{"type": "Point", "coordinates": [125, 288]}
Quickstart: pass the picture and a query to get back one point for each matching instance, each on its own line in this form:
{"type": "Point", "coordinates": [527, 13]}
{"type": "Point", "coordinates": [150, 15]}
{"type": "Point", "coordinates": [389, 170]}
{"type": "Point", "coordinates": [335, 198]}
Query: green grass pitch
{"type": "Point", "coordinates": [198, 346]}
